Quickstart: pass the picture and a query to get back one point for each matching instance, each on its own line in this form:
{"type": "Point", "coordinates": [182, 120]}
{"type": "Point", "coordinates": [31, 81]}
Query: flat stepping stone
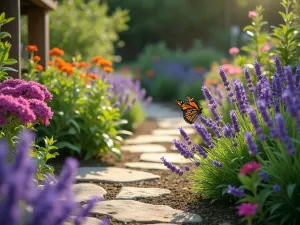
{"type": "Point", "coordinates": [143, 148]}
{"type": "Point", "coordinates": [173, 148]}
{"type": "Point", "coordinates": [173, 123]}
{"type": "Point", "coordinates": [144, 139]}
{"type": "Point", "coordinates": [113, 175]}
{"type": "Point", "coordinates": [173, 131]}
{"type": "Point", "coordinates": [146, 165]}
{"type": "Point", "coordinates": [137, 193]}
{"type": "Point", "coordinates": [88, 221]}
{"type": "Point", "coordinates": [139, 212]}
{"type": "Point", "coordinates": [85, 191]}
{"type": "Point", "coordinates": [171, 157]}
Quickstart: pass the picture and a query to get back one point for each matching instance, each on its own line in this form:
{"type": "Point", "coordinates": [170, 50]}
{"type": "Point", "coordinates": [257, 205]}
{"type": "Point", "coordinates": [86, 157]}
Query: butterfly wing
{"type": "Point", "coordinates": [192, 102]}
{"type": "Point", "coordinates": [190, 110]}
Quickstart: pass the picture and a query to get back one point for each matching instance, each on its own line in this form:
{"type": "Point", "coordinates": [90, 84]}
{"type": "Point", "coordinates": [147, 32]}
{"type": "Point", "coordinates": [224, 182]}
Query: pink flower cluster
{"type": "Point", "coordinates": [231, 69]}
{"type": "Point", "coordinates": [250, 167]}
{"type": "Point", "coordinates": [247, 209]}
{"type": "Point", "coordinates": [252, 14]}
{"type": "Point", "coordinates": [234, 51]}
{"type": "Point", "coordinates": [25, 101]}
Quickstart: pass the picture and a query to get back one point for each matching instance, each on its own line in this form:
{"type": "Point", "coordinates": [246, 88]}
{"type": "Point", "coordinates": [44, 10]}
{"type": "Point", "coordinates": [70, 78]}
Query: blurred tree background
{"type": "Point", "coordinates": [179, 22]}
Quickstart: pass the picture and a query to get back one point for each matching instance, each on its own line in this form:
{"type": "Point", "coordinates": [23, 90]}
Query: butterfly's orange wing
{"type": "Point", "coordinates": [190, 110]}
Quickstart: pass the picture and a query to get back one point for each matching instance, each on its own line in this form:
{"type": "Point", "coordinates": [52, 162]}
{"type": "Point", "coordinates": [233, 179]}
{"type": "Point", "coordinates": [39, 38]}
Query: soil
{"type": "Point", "coordinates": [181, 196]}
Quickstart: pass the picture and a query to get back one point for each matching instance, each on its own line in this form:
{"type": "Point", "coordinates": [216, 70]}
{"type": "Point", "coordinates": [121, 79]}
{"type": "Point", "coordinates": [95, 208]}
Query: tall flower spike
{"type": "Point", "coordinates": [290, 80]}
{"type": "Point", "coordinates": [278, 67]}
{"type": "Point", "coordinates": [171, 167]}
{"type": "Point", "coordinates": [248, 79]}
{"type": "Point", "coordinates": [216, 114]}
{"type": "Point", "coordinates": [277, 86]}
{"type": "Point", "coordinates": [206, 121]}
{"type": "Point", "coordinates": [201, 151]}
{"type": "Point", "coordinates": [204, 134]}
{"type": "Point", "coordinates": [185, 136]}
{"type": "Point", "coordinates": [184, 151]}
{"type": "Point", "coordinates": [290, 103]}
{"type": "Point", "coordinates": [235, 123]}
{"type": "Point", "coordinates": [226, 83]}
{"type": "Point", "coordinates": [208, 96]}
{"type": "Point", "coordinates": [297, 77]}
{"type": "Point", "coordinates": [264, 113]}
{"type": "Point", "coordinates": [257, 70]}
{"type": "Point", "coordinates": [253, 150]}
{"type": "Point", "coordinates": [242, 101]}
{"type": "Point", "coordinates": [255, 123]}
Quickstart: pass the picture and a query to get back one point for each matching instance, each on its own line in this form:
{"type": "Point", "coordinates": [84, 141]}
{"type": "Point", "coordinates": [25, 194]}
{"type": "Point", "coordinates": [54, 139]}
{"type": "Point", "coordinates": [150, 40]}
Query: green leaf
{"type": "Point", "coordinates": [290, 190]}
{"type": "Point", "coordinates": [247, 199]}
{"type": "Point", "coordinates": [8, 69]}
{"type": "Point", "coordinates": [245, 180]}
{"type": "Point", "coordinates": [72, 131]}
{"type": "Point", "coordinates": [117, 152]}
{"type": "Point", "coordinates": [64, 144]}
{"type": "Point", "coordinates": [275, 207]}
{"type": "Point", "coordinates": [121, 122]}
{"type": "Point", "coordinates": [263, 195]}
{"type": "Point", "coordinates": [125, 132]}
{"type": "Point", "coordinates": [4, 35]}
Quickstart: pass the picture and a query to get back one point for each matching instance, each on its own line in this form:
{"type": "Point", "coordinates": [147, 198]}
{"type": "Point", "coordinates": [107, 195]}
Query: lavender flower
{"type": "Point", "coordinates": [206, 121]}
{"type": "Point", "coordinates": [201, 151]}
{"type": "Point", "coordinates": [216, 129]}
{"type": "Point", "coordinates": [215, 114]}
{"type": "Point", "coordinates": [242, 101]}
{"type": "Point", "coordinates": [197, 163]}
{"type": "Point", "coordinates": [264, 113]}
{"type": "Point", "coordinates": [264, 176]}
{"type": "Point", "coordinates": [185, 136]}
{"type": "Point", "coordinates": [290, 103]}
{"type": "Point", "coordinates": [186, 168]}
{"type": "Point", "coordinates": [248, 79]}
{"type": "Point", "coordinates": [283, 135]}
{"type": "Point", "coordinates": [234, 121]}
{"type": "Point", "coordinates": [208, 96]}
{"type": "Point", "coordinates": [225, 82]}
{"type": "Point", "coordinates": [236, 192]}
{"type": "Point", "coordinates": [253, 150]}
{"type": "Point", "coordinates": [171, 167]}
{"type": "Point", "coordinates": [228, 131]}
{"type": "Point", "coordinates": [297, 77]}
{"type": "Point", "coordinates": [278, 68]}
{"type": "Point", "coordinates": [217, 164]}
{"type": "Point", "coordinates": [184, 151]}
{"type": "Point", "coordinates": [290, 80]}
{"type": "Point", "coordinates": [277, 86]}
{"type": "Point", "coordinates": [255, 123]}
{"type": "Point", "coordinates": [84, 212]}
{"type": "Point", "coordinates": [276, 188]}
{"type": "Point", "coordinates": [204, 134]}
{"type": "Point", "coordinates": [257, 70]}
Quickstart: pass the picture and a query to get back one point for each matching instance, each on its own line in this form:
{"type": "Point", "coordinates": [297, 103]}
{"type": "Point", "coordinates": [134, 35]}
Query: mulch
{"type": "Point", "coordinates": [181, 196]}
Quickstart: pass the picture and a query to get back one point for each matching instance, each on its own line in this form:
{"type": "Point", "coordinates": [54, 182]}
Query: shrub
{"type": "Point", "coordinates": [85, 123]}
{"type": "Point", "coordinates": [22, 202]}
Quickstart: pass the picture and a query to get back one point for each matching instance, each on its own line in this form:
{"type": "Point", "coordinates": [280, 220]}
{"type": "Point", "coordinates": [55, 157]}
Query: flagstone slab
{"type": "Point", "coordinates": [171, 157]}
{"type": "Point", "coordinates": [173, 131]}
{"type": "Point", "coordinates": [139, 212]}
{"type": "Point", "coordinates": [131, 193]}
{"type": "Point", "coordinates": [173, 123]}
{"type": "Point", "coordinates": [173, 148]}
{"type": "Point", "coordinates": [85, 191]}
{"type": "Point", "coordinates": [144, 148]}
{"type": "Point", "coordinates": [144, 139]}
{"type": "Point", "coordinates": [112, 175]}
{"type": "Point", "coordinates": [88, 221]}
{"type": "Point", "coordinates": [146, 165]}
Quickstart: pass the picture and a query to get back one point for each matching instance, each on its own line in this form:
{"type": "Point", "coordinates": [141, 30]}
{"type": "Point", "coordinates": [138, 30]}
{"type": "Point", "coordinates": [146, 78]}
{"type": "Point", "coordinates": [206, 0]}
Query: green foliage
{"type": "Point", "coordinates": [286, 36]}
{"type": "Point", "coordinates": [41, 155]}
{"type": "Point", "coordinates": [135, 116]}
{"type": "Point", "coordinates": [5, 61]}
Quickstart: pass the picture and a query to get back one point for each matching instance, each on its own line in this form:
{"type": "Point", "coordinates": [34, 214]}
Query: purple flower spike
{"type": "Point", "coordinates": [197, 163]}
{"type": "Point", "coordinates": [171, 167]}
{"type": "Point", "coordinates": [253, 150]}
{"type": "Point", "coordinates": [264, 113]}
{"type": "Point", "coordinates": [257, 70]}
{"type": "Point", "coordinates": [216, 114]}
{"type": "Point", "coordinates": [186, 168]}
{"type": "Point", "coordinates": [297, 77]}
{"type": "Point", "coordinates": [264, 176]}
{"type": "Point", "coordinates": [217, 164]}
{"type": "Point", "coordinates": [226, 83]}
{"type": "Point", "coordinates": [206, 121]}
{"type": "Point", "coordinates": [228, 131]}
{"type": "Point", "coordinates": [290, 80]}
{"type": "Point", "coordinates": [185, 136]}
{"type": "Point", "coordinates": [290, 103]}
{"type": "Point", "coordinates": [254, 121]}
{"type": "Point", "coordinates": [208, 96]}
{"type": "Point", "coordinates": [278, 67]}
{"type": "Point", "coordinates": [234, 121]}
{"type": "Point", "coordinates": [248, 79]}
{"type": "Point", "coordinates": [277, 86]}
{"type": "Point", "coordinates": [201, 151]}
{"type": "Point", "coordinates": [242, 101]}
{"type": "Point", "coordinates": [204, 134]}
{"type": "Point", "coordinates": [236, 192]}
{"type": "Point", "coordinates": [184, 151]}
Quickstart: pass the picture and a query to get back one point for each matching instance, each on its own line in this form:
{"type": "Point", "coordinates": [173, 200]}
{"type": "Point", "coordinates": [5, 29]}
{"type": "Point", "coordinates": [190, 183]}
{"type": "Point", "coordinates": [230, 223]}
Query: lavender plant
{"type": "Point", "coordinates": [267, 131]}
{"type": "Point", "coordinates": [22, 202]}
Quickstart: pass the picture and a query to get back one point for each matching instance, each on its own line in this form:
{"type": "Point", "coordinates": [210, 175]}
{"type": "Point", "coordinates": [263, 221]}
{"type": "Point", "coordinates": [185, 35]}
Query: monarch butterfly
{"type": "Point", "coordinates": [190, 109]}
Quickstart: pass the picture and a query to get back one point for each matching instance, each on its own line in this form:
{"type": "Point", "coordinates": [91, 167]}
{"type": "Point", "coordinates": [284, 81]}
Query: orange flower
{"type": "Point", "coordinates": [149, 73]}
{"type": "Point", "coordinates": [104, 63]}
{"type": "Point", "coordinates": [84, 65]}
{"type": "Point", "coordinates": [56, 51]}
{"type": "Point", "coordinates": [32, 48]}
{"type": "Point", "coordinates": [36, 58]}
{"type": "Point", "coordinates": [58, 60]}
{"type": "Point", "coordinates": [96, 59]}
{"type": "Point", "coordinates": [92, 76]}
{"type": "Point", "coordinates": [39, 67]}
{"type": "Point", "coordinates": [81, 76]}
{"type": "Point", "coordinates": [108, 69]}
{"type": "Point", "coordinates": [50, 63]}
{"type": "Point", "coordinates": [67, 68]}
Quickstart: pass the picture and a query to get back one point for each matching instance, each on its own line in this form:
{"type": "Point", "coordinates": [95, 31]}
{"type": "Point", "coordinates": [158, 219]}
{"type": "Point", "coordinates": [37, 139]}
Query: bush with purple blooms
{"type": "Point", "coordinates": [266, 131]}
{"type": "Point", "coordinates": [22, 202]}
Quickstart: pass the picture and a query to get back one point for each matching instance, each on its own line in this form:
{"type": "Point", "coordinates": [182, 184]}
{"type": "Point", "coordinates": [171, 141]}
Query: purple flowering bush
{"type": "Point", "coordinates": [22, 202]}
{"type": "Point", "coordinates": [266, 130]}
{"type": "Point", "coordinates": [131, 99]}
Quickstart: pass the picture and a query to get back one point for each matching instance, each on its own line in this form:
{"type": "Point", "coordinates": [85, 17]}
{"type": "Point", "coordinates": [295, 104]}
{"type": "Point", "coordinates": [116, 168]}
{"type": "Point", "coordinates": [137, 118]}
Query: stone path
{"type": "Point", "coordinates": [126, 207]}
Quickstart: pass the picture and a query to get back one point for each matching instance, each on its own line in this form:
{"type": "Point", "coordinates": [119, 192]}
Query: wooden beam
{"type": "Point", "coordinates": [46, 4]}
{"type": "Point", "coordinates": [12, 8]}
{"type": "Point", "coordinates": [38, 32]}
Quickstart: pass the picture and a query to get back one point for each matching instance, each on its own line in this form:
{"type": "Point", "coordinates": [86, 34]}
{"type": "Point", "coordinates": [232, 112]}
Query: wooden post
{"type": "Point", "coordinates": [12, 8]}
{"type": "Point", "coordinates": [38, 32]}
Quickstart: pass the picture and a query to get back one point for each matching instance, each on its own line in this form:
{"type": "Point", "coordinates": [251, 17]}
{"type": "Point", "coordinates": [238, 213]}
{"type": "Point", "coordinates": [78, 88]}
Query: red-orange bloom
{"type": "Point", "coordinates": [32, 48]}
{"type": "Point", "coordinates": [50, 63]}
{"type": "Point", "coordinates": [56, 51]}
{"type": "Point", "coordinates": [39, 67]}
{"type": "Point", "coordinates": [59, 60]}
{"type": "Point", "coordinates": [66, 68]}
{"type": "Point", "coordinates": [108, 69]}
{"type": "Point", "coordinates": [104, 63]}
{"type": "Point", "coordinates": [84, 65]}
{"type": "Point", "coordinates": [92, 76]}
{"type": "Point", "coordinates": [36, 58]}
{"type": "Point", "coordinates": [96, 59]}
